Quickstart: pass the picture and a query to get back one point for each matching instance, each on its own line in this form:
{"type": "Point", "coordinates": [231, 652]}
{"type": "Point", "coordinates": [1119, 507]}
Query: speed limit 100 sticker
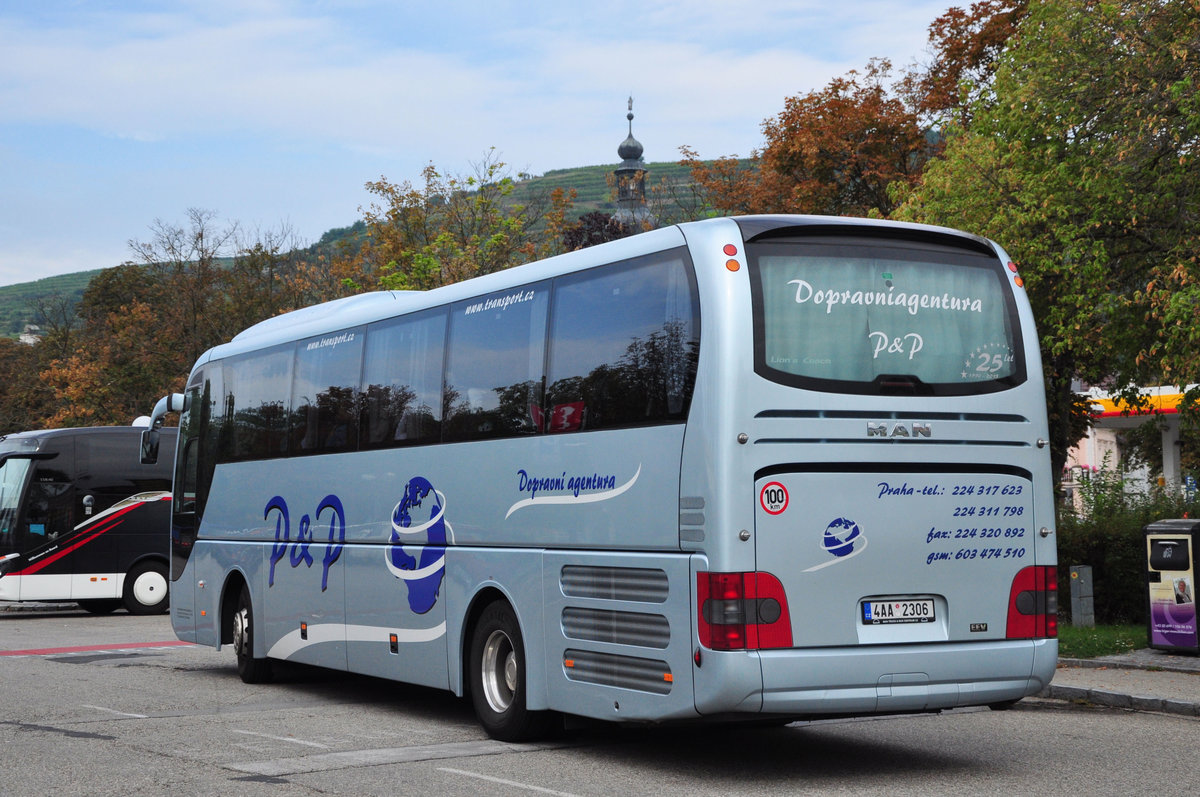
{"type": "Point", "coordinates": [774, 498]}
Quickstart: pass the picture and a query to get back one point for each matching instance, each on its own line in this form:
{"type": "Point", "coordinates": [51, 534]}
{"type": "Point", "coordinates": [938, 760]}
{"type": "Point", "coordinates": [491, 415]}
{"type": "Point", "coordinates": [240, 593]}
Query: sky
{"type": "Point", "coordinates": [273, 115]}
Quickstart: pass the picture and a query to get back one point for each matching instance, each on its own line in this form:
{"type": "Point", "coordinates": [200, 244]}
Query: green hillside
{"type": "Point", "coordinates": [590, 183]}
{"type": "Point", "coordinates": [16, 309]}
{"type": "Point", "coordinates": [592, 190]}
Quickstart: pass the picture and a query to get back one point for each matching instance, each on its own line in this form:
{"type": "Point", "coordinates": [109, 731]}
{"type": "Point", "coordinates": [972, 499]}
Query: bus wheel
{"type": "Point", "coordinates": [497, 672]}
{"type": "Point", "coordinates": [252, 670]}
{"type": "Point", "coordinates": [146, 588]}
{"type": "Point", "coordinates": [100, 605]}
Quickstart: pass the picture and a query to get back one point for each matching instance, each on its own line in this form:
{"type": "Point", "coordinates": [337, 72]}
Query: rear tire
{"type": "Point", "coordinates": [251, 670]}
{"type": "Point", "coordinates": [100, 605]}
{"type": "Point", "coordinates": [498, 684]}
{"type": "Point", "coordinates": [146, 588]}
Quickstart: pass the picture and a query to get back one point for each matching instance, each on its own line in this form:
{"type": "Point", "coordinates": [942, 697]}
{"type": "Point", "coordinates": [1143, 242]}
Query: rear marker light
{"type": "Point", "coordinates": [730, 250]}
{"type": "Point", "coordinates": [1020, 283]}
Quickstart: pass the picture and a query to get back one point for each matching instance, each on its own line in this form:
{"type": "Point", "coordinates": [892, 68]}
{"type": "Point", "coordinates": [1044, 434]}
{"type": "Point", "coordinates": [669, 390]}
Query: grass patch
{"type": "Point", "coordinates": [1103, 640]}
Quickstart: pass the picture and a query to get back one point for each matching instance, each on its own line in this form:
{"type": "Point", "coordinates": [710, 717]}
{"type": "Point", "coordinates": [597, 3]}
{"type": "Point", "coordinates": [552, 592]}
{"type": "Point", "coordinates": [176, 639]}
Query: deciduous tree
{"type": "Point", "coordinates": [1082, 160]}
{"type": "Point", "coordinates": [832, 152]}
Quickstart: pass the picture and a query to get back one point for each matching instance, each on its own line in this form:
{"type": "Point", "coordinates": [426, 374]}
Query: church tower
{"type": "Point", "coordinates": [631, 179]}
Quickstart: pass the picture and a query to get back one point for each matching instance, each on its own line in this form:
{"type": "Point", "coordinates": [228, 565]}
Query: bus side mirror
{"type": "Point", "coordinates": [169, 403]}
{"type": "Point", "coordinates": [149, 446]}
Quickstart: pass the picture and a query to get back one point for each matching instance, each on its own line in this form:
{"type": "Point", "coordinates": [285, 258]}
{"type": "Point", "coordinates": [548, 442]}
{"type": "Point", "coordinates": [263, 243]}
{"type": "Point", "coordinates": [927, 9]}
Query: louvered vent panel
{"type": "Point", "coordinates": [618, 628]}
{"type": "Point", "coordinates": [645, 585]}
{"type": "Point", "coordinates": [626, 672]}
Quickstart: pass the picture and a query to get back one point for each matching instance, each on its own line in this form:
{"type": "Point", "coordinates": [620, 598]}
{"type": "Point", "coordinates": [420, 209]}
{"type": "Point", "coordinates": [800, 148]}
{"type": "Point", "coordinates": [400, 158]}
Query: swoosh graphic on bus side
{"type": "Point", "coordinates": [93, 528]}
{"type": "Point", "coordinates": [850, 555]}
{"type": "Point", "coordinates": [586, 498]}
{"type": "Point", "coordinates": [289, 645]}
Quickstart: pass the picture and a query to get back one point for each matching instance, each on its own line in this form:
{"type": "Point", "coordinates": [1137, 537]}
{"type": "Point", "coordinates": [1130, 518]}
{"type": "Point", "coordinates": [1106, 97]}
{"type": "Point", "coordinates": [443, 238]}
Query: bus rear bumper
{"type": "Point", "coordinates": [887, 678]}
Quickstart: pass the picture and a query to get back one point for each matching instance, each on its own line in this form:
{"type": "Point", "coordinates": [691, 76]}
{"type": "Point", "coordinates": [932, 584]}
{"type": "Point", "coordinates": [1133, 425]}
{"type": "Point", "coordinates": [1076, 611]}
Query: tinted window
{"type": "Point", "coordinates": [324, 393]}
{"type": "Point", "coordinates": [867, 316]}
{"type": "Point", "coordinates": [256, 393]}
{"type": "Point", "coordinates": [402, 381]}
{"type": "Point", "coordinates": [494, 364]}
{"type": "Point", "coordinates": [624, 342]}
{"type": "Point", "coordinates": [13, 471]}
{"type": "Point", "coordinates": [203, 441]}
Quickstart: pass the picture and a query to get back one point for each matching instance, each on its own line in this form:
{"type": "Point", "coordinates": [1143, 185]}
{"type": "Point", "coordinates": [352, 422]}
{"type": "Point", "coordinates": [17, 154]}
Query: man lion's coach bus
{"type": "Point", "coordinates": [81, 520]}
{"type": "Point", "coordinates": [764, 467]}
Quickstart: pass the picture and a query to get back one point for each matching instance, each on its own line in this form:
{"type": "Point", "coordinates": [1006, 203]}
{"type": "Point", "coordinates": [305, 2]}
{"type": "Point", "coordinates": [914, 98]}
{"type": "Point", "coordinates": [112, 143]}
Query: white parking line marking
{"type": "Point", "coordinates": [284, 739]}
{"type": "Point", "coordinates": [118, 713]}
{"type": "Point", "coordinates": [504, 782]}
{"type": "Point", "coordinates": [324, 762]}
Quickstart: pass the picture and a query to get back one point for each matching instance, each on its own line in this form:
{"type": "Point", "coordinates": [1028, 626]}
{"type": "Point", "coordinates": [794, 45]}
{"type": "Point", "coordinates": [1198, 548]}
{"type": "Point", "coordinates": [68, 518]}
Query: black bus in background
{"type": "Point", "coordinates": [81, 519]}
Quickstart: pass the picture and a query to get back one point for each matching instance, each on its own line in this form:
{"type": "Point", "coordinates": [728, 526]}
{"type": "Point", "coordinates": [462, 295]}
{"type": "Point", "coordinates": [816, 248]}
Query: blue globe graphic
{"type": "Point", "coordinates": [840, 536]}
{"type": "Point", "coordinates": [420, 499]}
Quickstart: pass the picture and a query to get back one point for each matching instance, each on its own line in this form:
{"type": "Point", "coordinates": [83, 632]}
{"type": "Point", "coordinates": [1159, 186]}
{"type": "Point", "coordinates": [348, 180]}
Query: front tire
{"type": "Point", "coordinates": [251, 670]}
{"type": "Point", "coordinates": [498, 683]}
{"type": "Point", "coordinates": [146, 589]}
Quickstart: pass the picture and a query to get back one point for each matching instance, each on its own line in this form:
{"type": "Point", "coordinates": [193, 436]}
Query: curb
{"type": "Point", "coordinates": [1109, 699]}
{"type": "Point", "coordinates": [1125, 664]}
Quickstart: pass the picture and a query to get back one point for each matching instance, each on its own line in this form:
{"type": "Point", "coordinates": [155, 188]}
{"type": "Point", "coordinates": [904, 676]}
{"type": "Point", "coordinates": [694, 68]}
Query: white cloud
{"type": "Point", "coordinates": [248, 97]}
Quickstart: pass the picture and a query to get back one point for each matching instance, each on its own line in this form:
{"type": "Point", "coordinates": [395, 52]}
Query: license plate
{"type": "Point", "coordinates": [919, 610]}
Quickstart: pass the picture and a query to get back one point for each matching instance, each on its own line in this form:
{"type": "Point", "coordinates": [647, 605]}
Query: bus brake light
{"type": "Point", "coordinates": [742, 611]}
{"type": "Point", "coordinates": [1033, 604]}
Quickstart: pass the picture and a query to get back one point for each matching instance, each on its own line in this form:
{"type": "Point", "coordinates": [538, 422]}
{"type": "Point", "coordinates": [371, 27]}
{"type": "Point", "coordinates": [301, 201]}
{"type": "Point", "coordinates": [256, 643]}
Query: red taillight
{"type": "Point", "coordinates": [1033, 604]}
{"type": "Point", "coordinates": [742, 611]}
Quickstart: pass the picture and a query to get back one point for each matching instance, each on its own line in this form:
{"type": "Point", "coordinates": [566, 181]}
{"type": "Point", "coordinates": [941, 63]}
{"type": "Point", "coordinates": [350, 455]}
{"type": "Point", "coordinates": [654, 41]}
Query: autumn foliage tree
{"type": "Point", "coordinates": [143, 325]}
{"type": "Point", "coordinates": [449, 229]}
{"type": "Point", "coordinates": [966, 44]}
{"type": "Point", "coordinates": [832, 152]}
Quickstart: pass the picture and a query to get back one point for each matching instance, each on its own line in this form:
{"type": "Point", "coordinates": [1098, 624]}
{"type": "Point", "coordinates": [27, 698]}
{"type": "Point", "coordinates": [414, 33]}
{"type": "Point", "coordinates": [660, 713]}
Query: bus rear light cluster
{"type": "Point", "coordinates": [742, 611]}
{"type": "Point", "coordinates": [1033, 604]}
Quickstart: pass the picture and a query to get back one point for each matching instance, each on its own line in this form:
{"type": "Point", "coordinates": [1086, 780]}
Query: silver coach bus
{"type": "Point", "coordinates": [760, 467]}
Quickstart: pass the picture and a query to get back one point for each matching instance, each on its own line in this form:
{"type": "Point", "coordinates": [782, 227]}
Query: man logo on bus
{"type": "Point", "coordinates": [423, 575]}
{"type": "Point", "coordinates": [841, 536]}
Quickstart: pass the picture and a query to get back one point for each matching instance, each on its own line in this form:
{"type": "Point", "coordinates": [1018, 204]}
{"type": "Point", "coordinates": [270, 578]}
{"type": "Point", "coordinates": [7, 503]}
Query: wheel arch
{"type": "Point", "coordinates": [483, 598]}
{"type": "Point", "coordinates": [231, 590]}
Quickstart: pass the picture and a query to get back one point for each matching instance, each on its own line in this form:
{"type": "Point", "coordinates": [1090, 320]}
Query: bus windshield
{"type": "Point", "coordinates": [13, 471]}
{"type": "Point", "coordinates": [856, 317]}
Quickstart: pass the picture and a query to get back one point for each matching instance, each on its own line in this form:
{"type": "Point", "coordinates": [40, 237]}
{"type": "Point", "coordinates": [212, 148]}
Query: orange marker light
{"type": "Point", "coordinates": [732, 265]}
{"type": "Point", "coordinates": [1019, 282]}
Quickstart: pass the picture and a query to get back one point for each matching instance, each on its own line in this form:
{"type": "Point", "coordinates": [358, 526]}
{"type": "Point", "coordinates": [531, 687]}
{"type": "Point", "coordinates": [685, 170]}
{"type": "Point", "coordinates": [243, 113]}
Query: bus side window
{"type": "Point", "coordinates": [257, 389]}
{"type": "Point", "coordinates": [402, 381]}
{"type": "Point", "coordinates": [325, 393]}
{"type": "Point", "coordinates": [494, 365]}
{"type": "Point", "coordinates": [623, 345]}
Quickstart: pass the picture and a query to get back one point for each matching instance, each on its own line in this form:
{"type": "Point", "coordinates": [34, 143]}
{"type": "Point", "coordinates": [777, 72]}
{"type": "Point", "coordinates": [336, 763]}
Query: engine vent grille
{"type": "Point", "coordinates": [626, 672]}
{"type": "Point", "coordinates": [645, 585]}
{"type": "Point", "coordinates": [618, 628]}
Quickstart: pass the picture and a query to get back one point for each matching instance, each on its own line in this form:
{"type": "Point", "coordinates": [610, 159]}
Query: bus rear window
{"type": "Point", "coordinates": [869, 316]}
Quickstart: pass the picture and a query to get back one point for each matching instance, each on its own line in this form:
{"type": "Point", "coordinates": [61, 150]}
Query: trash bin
{"type": "Point", "coordinates": [1171, 584]}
